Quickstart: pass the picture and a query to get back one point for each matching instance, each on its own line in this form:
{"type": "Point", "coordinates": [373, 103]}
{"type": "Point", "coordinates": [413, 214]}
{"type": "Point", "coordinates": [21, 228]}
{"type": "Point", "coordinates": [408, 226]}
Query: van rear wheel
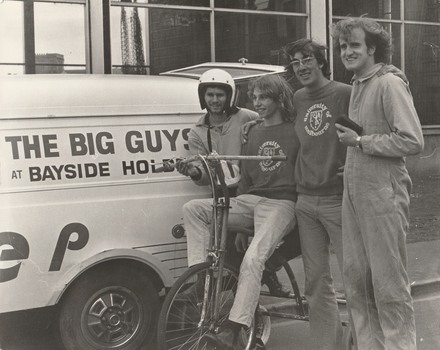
{"type": "Point", "coordinates": [111, 308]}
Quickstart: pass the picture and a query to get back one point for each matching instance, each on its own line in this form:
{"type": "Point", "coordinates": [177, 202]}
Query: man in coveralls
{"type": "Point", "coordinates": [375, 209]}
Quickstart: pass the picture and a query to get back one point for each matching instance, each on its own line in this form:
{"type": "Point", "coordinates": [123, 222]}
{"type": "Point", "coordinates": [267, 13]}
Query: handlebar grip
{"type": "Point", "coordinates": [276, 158]}
{"type": "Point", "coordinates": [165, 167]}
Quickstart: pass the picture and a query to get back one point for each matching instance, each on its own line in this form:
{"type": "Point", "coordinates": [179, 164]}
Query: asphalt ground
{"type": "Point", "coordinates": [424, 275]}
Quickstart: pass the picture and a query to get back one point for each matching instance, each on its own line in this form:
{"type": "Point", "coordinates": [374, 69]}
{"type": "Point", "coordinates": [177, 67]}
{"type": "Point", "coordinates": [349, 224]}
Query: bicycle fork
{"type": "Point", "coordinates": [217, 255]}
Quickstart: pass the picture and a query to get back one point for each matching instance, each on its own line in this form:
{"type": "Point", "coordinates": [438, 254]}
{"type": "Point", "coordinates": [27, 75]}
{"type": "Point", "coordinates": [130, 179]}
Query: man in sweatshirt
{"type": "Point", "coordinates": [319, 207]}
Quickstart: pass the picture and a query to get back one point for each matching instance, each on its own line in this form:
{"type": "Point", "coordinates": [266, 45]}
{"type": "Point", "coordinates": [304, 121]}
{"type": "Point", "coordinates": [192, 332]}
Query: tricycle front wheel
{"type": "Point", "coordinates": [186, 314]}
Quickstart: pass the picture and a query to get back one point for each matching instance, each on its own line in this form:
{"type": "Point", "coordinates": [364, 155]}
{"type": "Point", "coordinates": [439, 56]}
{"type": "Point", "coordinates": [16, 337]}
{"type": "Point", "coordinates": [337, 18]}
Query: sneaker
{"type": "Point", "coordinates": [227, 339]}
{"type": "Point", "coordinates": [275, 261]}
{"type": "Point", "coordinates": [276, 289]}
{"type": "Point", "coordinates": [259, 345]}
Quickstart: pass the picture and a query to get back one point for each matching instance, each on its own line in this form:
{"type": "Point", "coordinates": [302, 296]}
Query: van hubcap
{"type": "Point", "coordinates": [112, 317]}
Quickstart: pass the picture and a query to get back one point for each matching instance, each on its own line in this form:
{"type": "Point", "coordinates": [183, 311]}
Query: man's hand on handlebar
{"type": "Point", "coordinates": [188, 169]}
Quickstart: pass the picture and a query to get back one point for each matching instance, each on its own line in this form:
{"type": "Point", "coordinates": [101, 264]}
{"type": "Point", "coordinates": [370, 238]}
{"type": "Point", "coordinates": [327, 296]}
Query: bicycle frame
{"type": "Point", "coordinates": [219, 228]}
{"type": "Point", "coordinates": [220, 214]}
{"type": "Point", "coordinates": [218, 234]}
{"type": "Point", "coordinates": [189, 313]}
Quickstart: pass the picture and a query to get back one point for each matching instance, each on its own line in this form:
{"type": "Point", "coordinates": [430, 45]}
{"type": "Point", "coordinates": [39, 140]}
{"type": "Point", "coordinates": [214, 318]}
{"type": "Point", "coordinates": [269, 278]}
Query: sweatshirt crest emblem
{"type": "Point", "coordinates": [316, 119]}
{"type": "Point", "coordinates": [270, 148]}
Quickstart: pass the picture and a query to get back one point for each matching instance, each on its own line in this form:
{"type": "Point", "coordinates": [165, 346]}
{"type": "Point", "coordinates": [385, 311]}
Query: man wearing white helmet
{"type": "Point", "coordinates": [218, 130]}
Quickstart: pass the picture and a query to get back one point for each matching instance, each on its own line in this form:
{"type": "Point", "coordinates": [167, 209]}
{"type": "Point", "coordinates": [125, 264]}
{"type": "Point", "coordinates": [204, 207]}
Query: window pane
{"type": "Point", "coordinates": [396, 57]}
{"type": "Point", "coordinates": [178, 39]}
{"type": "Point", "coordinates": [11, 38]}
{"type": "Point", "coordinates": [423, 70]}
{"type": "Point", "coordinates": [389, 9]}
{"type": "Point", "coordinates": [422, 10]}
{"type": "Point", "coordinates": [59, 38]}
{"type": "Point", "coordinates": [257, 38]}
{"type": "Point", "coordinates": [264, 5]}
{"type": "Point", "coordinates": [129, 44]}
{"type": "Point", "coordinates": [175, 39]}
{"type": "Point", "coordinates": [170, 2]}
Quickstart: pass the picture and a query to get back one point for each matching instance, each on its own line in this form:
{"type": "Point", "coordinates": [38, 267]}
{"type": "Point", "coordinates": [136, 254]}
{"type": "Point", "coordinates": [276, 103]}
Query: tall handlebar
{"type": "Point", "coordinates": [168, 166]}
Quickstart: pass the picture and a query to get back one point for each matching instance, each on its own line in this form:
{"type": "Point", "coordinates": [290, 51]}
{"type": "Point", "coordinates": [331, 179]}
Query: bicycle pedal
{"type": "Point", "coordinates": [259, 345]}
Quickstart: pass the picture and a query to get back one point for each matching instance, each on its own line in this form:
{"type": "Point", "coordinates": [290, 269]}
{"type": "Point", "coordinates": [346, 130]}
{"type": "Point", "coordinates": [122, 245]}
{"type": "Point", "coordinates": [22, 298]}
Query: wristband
{"type": "Point", "coordinates": [358, 143]}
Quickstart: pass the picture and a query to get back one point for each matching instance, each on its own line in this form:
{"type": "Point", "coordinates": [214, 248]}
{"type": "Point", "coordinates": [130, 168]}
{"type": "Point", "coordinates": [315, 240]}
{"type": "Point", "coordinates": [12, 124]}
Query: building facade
{"type": "Point", "coordinates": [152, 36]}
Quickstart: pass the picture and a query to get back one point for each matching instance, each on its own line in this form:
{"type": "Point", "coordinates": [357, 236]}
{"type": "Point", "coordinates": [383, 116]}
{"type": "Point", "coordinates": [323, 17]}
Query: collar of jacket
{"type": "Point", "coordinates": [368, 74]}
{"type": "Point", "coordinates": [204, 121]}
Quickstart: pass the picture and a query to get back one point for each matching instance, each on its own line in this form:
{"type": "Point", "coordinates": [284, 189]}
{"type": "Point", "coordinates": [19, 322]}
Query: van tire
{"type": "Point", "coordinates": [113, 307]}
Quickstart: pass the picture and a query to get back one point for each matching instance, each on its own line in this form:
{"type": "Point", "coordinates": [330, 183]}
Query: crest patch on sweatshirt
{"type": "Point", "coordinates": [316, 119]}
{"type": "Point", "coordinates": [270, 148]}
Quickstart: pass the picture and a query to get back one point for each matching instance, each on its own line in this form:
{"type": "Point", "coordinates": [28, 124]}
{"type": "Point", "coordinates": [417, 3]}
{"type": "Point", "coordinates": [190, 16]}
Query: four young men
{"type": "Point", "coordinates": [375, 204]}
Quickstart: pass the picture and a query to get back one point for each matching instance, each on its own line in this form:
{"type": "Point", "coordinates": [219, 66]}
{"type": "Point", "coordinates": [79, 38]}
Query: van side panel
{"type": "Point", "coordinates": [71, 188]}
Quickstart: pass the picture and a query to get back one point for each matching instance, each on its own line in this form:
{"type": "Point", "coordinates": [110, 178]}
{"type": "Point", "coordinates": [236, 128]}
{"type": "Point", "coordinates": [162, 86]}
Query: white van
{"type": "Point", "coordinates": [85, 221]}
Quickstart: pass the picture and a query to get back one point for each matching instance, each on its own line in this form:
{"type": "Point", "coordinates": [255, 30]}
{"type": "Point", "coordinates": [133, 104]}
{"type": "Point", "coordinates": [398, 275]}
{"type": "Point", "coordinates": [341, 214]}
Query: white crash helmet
{"type": "Point", "coordinates": [220, 78]}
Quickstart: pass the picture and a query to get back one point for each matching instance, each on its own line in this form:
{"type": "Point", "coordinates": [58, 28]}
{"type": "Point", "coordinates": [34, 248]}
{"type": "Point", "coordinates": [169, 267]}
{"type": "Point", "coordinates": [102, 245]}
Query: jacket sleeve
{"type": "Point", "coordinates": [196, 146]}
{"type": "Point", "coordinates": [406, 136]}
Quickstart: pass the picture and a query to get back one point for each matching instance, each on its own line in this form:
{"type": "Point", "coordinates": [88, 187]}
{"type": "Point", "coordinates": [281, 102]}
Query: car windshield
{"type": "Point", "coordinates": [237, 72]}
{"type": "Point", "coordinates": [241, 73]}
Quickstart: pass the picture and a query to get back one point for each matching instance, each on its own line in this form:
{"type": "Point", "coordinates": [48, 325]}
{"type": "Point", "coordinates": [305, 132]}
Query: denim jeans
{"type": "Point", "coordinates": [272, 220]}
{"type": "Point", "coordinates": [319, 221]}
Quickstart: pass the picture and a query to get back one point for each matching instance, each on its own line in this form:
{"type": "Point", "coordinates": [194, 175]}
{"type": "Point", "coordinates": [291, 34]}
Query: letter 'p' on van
{"type": "Point", "coordinates": [85, 221]}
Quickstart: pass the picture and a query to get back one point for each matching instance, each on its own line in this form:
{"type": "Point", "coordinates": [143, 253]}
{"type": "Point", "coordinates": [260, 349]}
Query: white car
{"type": "Point", "coordinates": [242, 72]}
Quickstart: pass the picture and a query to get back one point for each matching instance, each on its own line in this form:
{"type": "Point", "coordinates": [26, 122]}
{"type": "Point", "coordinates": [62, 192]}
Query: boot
{"type": "Point", "coordinates": [276, 289]}
{"type": "Point", "coordinates": [227, 339]}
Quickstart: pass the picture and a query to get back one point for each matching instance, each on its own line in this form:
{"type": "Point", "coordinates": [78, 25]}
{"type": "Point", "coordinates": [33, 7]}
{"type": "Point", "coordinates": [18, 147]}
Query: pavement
{"type": "Point", "coordinates": [424, 275]}
{"type": "Point", "coordinates": [423, 268]}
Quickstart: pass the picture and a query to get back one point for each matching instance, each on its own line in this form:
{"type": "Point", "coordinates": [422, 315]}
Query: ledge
{"type": "Point", "coordinates": [431, 129]}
